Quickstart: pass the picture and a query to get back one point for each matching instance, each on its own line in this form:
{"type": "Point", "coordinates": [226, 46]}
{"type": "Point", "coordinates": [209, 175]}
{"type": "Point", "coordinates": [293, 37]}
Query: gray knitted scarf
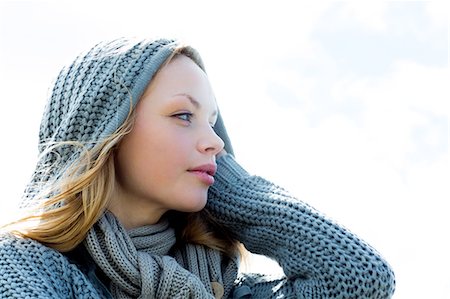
{"type": "Point", "coordinates": [139, 266]}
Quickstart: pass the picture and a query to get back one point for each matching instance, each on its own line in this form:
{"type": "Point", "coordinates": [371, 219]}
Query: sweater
{"type": "Point", "coordinates": [320, 258]}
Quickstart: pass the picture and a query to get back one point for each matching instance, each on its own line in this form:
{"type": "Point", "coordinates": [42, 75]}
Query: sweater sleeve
{"type": "Point", "coordinates": [320, 259]}
{"type": "Point", "coordinates": [31, 270]}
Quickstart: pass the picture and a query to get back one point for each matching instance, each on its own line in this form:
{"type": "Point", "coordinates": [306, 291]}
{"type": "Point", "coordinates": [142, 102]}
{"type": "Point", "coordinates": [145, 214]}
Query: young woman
{"type": "Point", "coordinates": [137, 194]}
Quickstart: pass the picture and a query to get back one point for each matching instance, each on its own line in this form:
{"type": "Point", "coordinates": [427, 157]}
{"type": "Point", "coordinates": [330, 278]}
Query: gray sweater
{"type": "Point", "coordinates": [320, 259]}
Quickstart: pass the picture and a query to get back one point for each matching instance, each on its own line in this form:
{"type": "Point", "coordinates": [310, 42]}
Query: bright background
{"type": "Point", "coordinates": [343, 103]}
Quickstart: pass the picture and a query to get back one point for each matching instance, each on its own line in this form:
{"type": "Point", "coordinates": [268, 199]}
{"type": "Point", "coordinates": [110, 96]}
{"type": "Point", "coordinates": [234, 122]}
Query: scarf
{"type": "Point", "coordinates": [138, 263]}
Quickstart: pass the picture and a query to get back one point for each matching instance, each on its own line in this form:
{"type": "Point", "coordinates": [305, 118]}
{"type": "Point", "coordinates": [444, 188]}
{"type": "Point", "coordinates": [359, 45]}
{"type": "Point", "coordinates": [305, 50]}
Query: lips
{"type": "Point", "coordinates": [208, 168]}
{"type": "Point", "coordinates": [205, 173]}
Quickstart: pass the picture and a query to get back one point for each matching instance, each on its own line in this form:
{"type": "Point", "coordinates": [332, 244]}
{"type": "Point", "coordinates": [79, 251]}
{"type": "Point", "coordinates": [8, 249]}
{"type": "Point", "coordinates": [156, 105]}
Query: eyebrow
{"type": "Point", "coordinates": [194, 101]}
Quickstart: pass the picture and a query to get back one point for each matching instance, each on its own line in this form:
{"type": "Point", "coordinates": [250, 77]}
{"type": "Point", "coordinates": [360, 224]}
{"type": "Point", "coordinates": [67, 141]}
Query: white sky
{"type": "Point", "coordinates": [343, 103]}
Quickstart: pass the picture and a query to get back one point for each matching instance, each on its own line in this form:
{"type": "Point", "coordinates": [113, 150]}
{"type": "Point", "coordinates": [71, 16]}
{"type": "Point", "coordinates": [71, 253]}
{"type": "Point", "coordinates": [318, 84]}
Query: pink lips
{"type": "Point", "coordinates": [205, 173]}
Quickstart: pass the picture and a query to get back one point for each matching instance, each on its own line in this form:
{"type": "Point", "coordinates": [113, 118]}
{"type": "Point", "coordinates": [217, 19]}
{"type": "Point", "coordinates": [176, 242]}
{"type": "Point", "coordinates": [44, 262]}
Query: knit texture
{"type": "Point", "coordinates": [139, 265]}
{"type": "Point", "coordinates": [319, 258]}
{"type": "Point", "coordinates": [31, 270]}
{"type": "Point", "coordinates": [92, 97]}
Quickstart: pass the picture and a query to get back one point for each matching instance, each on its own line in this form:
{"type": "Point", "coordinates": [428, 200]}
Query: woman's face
{"type": "Point", "coordinates": [167, 161]}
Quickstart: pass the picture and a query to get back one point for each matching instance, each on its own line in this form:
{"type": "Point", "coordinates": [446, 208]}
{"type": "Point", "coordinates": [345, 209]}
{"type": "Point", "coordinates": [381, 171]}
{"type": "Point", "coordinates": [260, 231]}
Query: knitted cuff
{"type": "Point", "coordinates": [311, 249]}
{"type": "Point", "coordinates": [245, 205]}
{"type": "Point", "coordinates": [229, 170]}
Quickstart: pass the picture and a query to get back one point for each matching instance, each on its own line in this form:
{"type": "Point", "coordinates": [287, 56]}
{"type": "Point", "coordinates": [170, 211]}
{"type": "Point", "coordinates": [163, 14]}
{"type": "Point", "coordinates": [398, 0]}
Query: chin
{"type": "Point", "coordinates": [197, 208]}
{"type": "Point", "coordinates": [195, 204]}
{"type": "Point", "coordinates": [189, 202]}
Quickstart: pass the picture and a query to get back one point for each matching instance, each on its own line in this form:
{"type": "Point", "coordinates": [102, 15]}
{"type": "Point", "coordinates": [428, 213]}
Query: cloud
{"type": "Point", "coordinates": [370, 15]}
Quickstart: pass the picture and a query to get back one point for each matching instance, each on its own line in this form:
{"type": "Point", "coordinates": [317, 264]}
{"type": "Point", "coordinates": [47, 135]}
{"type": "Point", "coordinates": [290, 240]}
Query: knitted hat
{"type": "Point", "coordinates": [92, 97]}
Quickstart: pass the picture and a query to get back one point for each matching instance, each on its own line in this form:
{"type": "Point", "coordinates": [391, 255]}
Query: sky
{"type": "Point", "coordinates": [345, 104]}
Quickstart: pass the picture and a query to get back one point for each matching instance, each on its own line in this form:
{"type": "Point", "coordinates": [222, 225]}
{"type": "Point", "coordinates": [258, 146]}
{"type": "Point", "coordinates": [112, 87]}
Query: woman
{"type": "Point", "coordinates": [137, 195]}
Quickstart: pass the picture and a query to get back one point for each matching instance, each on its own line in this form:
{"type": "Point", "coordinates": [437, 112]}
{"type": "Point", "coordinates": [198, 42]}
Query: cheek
{"type": "Point", "coordinates": [154, 154]}
{"type": "Point", "coordinates": [167, 148]}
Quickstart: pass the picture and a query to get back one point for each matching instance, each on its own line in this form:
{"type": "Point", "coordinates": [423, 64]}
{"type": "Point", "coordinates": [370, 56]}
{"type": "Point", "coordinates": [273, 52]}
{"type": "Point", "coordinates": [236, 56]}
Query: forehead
{"type": "Point", "coordinates": [182, 65]}
{"type": "Point", "coordinates": [182, 76]}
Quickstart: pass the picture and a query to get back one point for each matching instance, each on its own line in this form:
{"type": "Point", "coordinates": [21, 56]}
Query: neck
{"type": "Point", "coordinates": [134, 212]}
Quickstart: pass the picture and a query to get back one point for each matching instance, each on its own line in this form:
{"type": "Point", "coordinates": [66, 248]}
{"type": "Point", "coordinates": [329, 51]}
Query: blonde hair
{"type": "Point", "coordinates": [73, 204]}
{"type": "Point", "coordinates": [65, 211]}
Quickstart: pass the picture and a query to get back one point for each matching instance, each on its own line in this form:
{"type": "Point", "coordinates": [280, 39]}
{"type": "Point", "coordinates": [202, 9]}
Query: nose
{"type": "Point", "coordinates": [211, 142]}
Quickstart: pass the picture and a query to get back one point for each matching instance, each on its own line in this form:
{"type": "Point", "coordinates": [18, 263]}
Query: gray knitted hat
{"type": "Point", "coordinates": [91, 98]}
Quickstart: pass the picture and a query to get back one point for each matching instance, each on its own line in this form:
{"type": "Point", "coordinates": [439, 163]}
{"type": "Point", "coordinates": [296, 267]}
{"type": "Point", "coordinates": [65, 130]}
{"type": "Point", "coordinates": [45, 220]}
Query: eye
{"type": "Point", "coordinates": [186, 116]}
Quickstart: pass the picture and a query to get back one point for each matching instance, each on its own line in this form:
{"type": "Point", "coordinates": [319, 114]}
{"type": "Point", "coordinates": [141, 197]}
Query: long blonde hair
{"type": "Point", "coordinates": [68, 209]}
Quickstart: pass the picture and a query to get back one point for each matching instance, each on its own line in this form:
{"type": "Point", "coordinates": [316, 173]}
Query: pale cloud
{"type": "Point", "coordinates": [438, 12]}
{"type": "Point", "coordinates": [411, 97]}
{"type": "Point", "coordinates": [369, 14]}
{"type": "Point", "coordinates": [382, 175]}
